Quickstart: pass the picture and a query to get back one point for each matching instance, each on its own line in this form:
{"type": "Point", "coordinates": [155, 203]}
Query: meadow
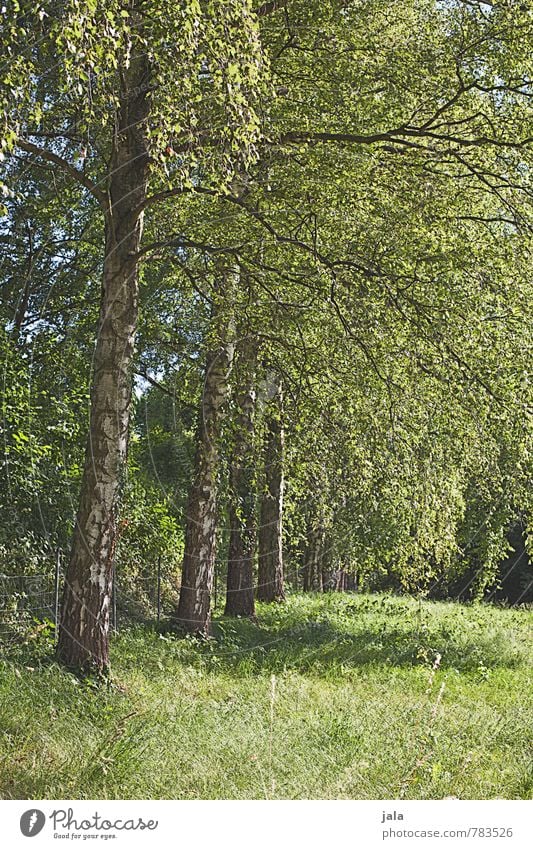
{"type": "Point", "coordinates": [331, 696]}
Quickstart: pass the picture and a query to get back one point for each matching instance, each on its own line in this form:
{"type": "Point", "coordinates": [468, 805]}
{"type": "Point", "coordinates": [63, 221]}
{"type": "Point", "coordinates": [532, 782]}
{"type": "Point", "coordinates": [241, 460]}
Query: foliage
{"type": "Point", "coordinates": [365, 166]}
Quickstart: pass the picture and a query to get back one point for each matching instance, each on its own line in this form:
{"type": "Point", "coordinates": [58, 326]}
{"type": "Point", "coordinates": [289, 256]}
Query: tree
{"type": "Point", "coordinates": [193, 613]}
{"type": "Point", "coordinates": [132, 90]}
{"type": "Point", "coordinates": [270, 580]}
{"type": "Point", "coordinates": [242, 483]}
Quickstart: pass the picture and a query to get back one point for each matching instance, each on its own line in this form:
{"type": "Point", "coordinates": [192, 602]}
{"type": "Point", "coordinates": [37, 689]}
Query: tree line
{"type": "Point", "coordinates": [265, 295]}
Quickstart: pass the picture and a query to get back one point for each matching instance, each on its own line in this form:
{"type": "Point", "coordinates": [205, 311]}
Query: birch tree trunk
{"type": "Point", "coordinates": [193, 613]}
{"type": "Point", "coordinates": [341, 581]}
{"type": "Point", "coordinates": [328, 581]}
{"type": "Point", "coordinates": [351, 582]}
{"type": "Point", "coordinates": [312, 565]}
{"type": "Point", "coordinates": [270, 583]}
{"type": "Point", "coordinates": [242, 506]}
{"type": "Point", "coordinates": [84, 631]}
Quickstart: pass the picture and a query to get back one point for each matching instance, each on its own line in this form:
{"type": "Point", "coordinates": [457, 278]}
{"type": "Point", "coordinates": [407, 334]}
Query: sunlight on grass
{"type": "Point", "coordinates": [332, 696]}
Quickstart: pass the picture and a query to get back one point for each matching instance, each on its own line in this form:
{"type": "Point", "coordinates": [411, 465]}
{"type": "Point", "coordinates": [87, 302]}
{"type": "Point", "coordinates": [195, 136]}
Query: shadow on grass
{"type": "Point", "coordinates": [320, 647]}
{"type": "Point", "coordinates": [321, 638]}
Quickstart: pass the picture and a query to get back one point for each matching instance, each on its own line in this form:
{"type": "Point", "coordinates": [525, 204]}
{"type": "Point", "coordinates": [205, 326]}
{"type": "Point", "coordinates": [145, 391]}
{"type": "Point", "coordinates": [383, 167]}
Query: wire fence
{"type": "Point", "coordinates": [148, 595]}
{"type": "Point", "coordinates": [28, 600]}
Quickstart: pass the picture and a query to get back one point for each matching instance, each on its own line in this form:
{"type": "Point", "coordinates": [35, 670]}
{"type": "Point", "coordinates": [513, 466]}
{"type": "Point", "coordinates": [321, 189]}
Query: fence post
{"type": "Point", "coordinates": [114, 598]}
{"type": "Point", "coordinates": [56, 592]}
{"type": "Point", "coordinates": [158, 589]}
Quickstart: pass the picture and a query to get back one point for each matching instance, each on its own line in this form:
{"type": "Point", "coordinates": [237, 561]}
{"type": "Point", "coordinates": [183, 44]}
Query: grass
{"type": "Point", "coordinates": [334, 696]}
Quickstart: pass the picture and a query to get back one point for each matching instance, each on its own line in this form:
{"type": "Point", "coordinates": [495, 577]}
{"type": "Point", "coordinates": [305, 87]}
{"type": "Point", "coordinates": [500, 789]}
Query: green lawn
{"type": "Point", "coordinates": [334, 696]}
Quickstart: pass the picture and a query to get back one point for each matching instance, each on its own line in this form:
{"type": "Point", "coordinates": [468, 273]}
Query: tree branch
{"type": "Point", "coordinates": [79, 176]}
{"type": "Point", "coordinates": [401, 136]}
{"type": "Point", "coordinates": [155, 383]}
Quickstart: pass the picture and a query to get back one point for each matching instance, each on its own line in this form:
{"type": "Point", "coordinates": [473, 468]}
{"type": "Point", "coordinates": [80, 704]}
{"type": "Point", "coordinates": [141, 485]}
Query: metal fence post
{"type": "Point", "coordinates": [158, 589]}
{"type": "Point", "coordinates": [56, 592]}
